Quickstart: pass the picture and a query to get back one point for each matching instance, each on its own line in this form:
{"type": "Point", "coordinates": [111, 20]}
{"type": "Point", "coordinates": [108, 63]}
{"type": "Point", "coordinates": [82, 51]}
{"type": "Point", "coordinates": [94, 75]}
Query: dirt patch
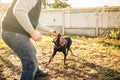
{"type": "Point", "coordinates": [93, 59]}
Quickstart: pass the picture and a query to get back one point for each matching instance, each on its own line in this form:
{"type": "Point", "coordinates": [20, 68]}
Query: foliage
{"type": "Point", "coordinates": [59, 4]}
{"type": "Point", "coordinates": [113, 33]}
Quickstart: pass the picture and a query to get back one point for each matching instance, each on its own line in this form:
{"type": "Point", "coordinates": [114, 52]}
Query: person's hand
{"type": "Point", "coordinates": [35, 35]}
{"type": "Point", "coordinates": [53, 32]}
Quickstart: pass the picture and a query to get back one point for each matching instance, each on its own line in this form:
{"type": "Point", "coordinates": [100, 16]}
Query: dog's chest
{"type": "Point", "coordinates": [63, 41]}
{"type": "Point", "coordinates": [61, 45]}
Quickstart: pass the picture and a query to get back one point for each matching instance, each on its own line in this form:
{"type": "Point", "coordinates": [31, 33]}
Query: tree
{"type": "Point", "coordinates": [45, 4]}
{"type": "Point", "coordinates": [59, 4]}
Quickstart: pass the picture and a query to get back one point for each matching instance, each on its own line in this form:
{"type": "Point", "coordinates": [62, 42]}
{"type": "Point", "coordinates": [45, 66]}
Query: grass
{"type": "Point", "coordinates": [95, 59]}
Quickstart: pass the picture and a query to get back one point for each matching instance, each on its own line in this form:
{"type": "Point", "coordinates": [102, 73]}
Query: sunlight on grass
{"type": "Point", "coordinates": [96, 56]}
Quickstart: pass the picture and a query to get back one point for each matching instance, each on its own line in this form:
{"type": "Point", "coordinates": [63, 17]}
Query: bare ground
{"type": "Point", "coordinates": [94, 59]}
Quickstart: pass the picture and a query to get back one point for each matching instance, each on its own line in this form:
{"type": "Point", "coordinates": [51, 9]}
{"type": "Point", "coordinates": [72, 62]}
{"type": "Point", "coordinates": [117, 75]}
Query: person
{"type": "Point", "coordinates": [18, 26]}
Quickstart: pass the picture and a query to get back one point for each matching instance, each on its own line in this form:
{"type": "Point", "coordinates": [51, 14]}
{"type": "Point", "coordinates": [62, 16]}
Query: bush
{"type": "Point", "coordinates": [113, 33]}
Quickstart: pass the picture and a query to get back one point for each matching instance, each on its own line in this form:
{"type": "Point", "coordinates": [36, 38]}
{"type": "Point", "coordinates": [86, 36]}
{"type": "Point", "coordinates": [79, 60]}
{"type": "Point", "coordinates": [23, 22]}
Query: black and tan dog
{"type": "Point", "coordinates": [61, 44]}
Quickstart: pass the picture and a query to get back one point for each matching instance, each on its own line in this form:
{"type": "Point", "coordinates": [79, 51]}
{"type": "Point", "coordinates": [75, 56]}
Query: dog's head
{"type": "Point", "coordinates": [56, 40]}
{"type": "Point", "coordinates": [59, 41]}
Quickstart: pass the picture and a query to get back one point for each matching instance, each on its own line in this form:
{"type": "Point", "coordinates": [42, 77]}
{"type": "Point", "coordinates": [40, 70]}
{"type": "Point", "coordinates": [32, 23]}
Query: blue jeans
{"type": "Point", "coordinates": [25, 50]}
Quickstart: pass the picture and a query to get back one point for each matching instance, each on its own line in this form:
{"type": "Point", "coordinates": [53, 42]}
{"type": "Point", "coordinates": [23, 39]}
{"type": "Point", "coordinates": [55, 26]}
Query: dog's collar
{"type": "Point", "coordinates": [63, 41]}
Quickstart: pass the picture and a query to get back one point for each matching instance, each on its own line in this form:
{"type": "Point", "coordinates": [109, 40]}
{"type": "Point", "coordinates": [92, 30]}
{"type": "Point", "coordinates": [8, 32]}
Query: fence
{"type": "Point", "coordinates": [84, 21]}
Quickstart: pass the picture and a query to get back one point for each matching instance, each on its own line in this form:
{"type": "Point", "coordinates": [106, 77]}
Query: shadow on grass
{"type": "Point", "coordinates": [14, 70]}
{"type": "Point", "coordinates": [103, 73]}
{"type": "Point", "coordinates": [84, 71]}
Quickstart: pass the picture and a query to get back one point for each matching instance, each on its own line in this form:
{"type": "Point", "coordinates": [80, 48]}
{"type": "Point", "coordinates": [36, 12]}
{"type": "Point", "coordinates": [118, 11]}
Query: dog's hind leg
{"type": "Point", "coordinates": [65, 55]}
{"type": "Point", "coordinates": [71, 51]}
{"type": "Point", "coordinates": [67, 51]}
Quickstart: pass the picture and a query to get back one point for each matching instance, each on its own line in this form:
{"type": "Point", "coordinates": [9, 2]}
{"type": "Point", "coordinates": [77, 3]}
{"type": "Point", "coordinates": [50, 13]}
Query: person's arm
{"type": "Point", "coordinates": [20, 11]}
{"type": "Point", "coordinates": [42, 27]}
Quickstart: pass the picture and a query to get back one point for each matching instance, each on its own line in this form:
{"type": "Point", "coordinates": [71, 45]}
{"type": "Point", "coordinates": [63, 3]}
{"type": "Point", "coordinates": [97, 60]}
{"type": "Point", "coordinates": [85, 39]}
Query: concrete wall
{"type": "Point", "coordinates": [85, 21]}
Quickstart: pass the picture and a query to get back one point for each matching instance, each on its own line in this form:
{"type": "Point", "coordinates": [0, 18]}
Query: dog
{"type": "Point", "coordinates": [61, 44]}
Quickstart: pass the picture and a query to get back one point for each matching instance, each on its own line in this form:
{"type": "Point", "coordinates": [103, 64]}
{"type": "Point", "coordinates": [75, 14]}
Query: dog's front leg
{"type": "Point", "coordinates": [54, 53]}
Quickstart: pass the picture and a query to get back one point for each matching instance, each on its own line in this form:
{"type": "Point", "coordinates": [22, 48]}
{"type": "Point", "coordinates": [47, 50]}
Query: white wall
{"type": "Point", "coordinates": [82, 21]}
{"type": "Point", "coordinates": [85, 21]}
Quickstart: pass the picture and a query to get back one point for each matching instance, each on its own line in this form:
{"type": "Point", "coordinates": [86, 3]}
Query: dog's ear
{"type": "Point", "coordinates": [59, 35]}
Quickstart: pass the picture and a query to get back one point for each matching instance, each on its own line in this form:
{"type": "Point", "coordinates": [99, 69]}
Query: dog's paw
{"type": "Point", "coordinates": [65, 64]}
{"type": "Point", "coordinates": [46, 65]}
